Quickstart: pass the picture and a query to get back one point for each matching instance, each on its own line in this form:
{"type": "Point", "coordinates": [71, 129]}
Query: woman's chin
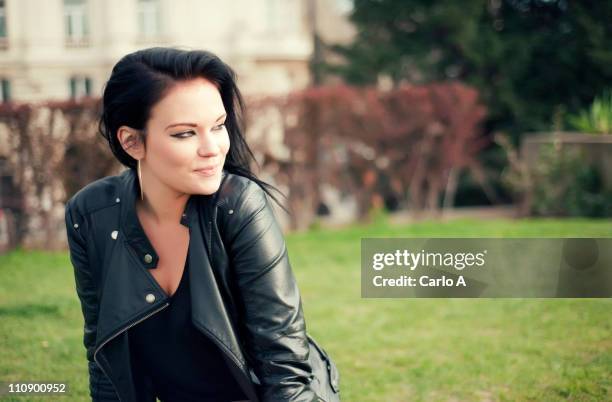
{"type": "Point", "coordinates": [208, 185]}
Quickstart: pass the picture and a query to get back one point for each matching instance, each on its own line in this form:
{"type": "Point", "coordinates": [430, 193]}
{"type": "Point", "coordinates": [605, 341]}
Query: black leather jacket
{"type": "Point", "coordinates": [244, 298]}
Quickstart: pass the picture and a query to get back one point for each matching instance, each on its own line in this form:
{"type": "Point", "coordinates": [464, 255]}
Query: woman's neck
{"type": "Point", "coordinates": [162, 205]}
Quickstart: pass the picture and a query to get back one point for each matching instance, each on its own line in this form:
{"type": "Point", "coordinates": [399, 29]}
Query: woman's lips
{"type": "Point", "coordinates": [208, 171]}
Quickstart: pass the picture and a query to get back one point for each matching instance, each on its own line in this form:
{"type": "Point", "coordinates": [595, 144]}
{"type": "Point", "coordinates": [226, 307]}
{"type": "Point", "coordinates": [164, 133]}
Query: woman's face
{"type": "Point", "coordinates": [186, 133]}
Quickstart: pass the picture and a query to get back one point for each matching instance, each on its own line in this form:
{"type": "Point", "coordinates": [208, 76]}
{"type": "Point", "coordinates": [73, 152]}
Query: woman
{"type": "Point", "coordinates": [180, 266]}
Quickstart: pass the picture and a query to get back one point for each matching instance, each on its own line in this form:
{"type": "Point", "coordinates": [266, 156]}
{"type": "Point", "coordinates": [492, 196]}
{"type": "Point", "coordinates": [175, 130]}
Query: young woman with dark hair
{"type": "Point", "coordinates": [180, 265]}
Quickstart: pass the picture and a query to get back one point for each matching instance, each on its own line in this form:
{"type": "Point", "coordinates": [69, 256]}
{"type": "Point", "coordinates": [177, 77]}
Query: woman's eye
{"type": "Point", "coordinates": [186, 134]}
{"type": "Point", "coordinates": [180, 135]}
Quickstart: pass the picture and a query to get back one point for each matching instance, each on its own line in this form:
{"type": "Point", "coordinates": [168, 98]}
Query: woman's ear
{"type": "Point", "coordinates": [132, 141]}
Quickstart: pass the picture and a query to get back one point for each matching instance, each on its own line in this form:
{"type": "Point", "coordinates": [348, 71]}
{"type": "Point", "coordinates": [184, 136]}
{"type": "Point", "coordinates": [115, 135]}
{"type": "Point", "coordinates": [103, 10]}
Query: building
{"type": "Point", "coordinates": [59, 49]}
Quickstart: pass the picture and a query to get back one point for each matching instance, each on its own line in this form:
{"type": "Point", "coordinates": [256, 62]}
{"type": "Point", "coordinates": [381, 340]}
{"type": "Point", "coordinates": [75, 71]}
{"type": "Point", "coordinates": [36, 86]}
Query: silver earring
{"type": "Point", "coordinates": [140, 181]}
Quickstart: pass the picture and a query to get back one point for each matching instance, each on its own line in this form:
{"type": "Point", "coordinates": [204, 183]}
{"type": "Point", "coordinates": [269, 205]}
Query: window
{"type": "Point", "coordinates": [280, 16]}
{"type": "Point", "coordinates": [3, 33]}
{"type": "Point", "coordinates": [272, 15]}
{"type": "Point", "coordinates": [75, 16]}
{"type": "Point", "coordinates": [148, 18]}
{"type": "Point", "coordinates": [6, 90]}
{"type": "Point", "coordinates": [80, 86]}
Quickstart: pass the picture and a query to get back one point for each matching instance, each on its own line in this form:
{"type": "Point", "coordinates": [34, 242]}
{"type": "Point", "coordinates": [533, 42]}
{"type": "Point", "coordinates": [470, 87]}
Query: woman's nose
{"type": "Point", "coordinates": [207, 145]}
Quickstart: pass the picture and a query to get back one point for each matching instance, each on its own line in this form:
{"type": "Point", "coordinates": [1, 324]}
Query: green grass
{"type": "Point", "coordinates": [385, 349]}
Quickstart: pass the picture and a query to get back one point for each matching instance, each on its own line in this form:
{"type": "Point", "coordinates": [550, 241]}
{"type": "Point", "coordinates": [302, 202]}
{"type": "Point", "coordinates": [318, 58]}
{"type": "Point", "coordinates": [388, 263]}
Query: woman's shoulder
{"type": "Point", "coordinates": [235, 190]}
{"type": "Point", "coordinates": [100, 193]}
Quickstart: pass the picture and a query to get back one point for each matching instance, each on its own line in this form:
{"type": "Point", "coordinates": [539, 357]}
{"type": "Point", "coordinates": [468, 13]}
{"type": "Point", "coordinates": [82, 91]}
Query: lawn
{"type": "Point", "coordinates": [385, 349]}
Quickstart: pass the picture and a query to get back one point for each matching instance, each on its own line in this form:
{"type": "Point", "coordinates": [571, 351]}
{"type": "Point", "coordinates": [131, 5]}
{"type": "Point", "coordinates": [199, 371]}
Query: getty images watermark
{"type": "Point", "coordinates": [486, 267]}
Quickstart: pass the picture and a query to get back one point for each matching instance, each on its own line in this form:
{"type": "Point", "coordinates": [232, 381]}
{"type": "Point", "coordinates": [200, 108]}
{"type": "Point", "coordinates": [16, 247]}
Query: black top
{"type": "Point", "coordinates": [180, 362]}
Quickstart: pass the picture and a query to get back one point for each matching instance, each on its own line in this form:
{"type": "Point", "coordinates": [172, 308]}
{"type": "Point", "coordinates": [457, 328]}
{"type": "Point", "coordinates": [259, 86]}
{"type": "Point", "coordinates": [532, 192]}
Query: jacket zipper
{"type": "Point", "coordinates": [205, 331]}
{"type": "Point", "coordinates": [115, 335]}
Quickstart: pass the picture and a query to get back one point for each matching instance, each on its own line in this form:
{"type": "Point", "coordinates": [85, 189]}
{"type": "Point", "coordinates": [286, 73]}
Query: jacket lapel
{"type": "Point", "coordinates": [125, 295]}
{"type": "Point", "coordinates": [209, 313]}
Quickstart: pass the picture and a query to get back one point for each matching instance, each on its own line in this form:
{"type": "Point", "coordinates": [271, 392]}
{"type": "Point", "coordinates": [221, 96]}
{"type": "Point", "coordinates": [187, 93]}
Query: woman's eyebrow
{"type": "Point", "coordinates": [193, 124]}
{"type": "Point", "coordinates": [182, 124]}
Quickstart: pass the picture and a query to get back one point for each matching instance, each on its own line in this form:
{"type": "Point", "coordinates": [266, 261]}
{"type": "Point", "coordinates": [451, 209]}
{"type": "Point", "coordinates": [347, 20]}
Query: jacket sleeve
{"type": "Point", "coordinates": [100, 387]}
{"type": "Point", "coordinates": [269, 301]}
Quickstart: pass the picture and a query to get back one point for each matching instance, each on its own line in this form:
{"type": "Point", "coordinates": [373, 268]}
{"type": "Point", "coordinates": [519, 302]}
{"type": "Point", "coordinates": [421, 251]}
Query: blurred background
{"type": "Point", "coordinates": [417, 109]}
{"type": "Point", "coordinates": [376, 118]}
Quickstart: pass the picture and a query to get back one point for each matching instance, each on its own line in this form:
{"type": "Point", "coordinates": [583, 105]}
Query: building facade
{"type": "Point", "coordinates": [59, 49]}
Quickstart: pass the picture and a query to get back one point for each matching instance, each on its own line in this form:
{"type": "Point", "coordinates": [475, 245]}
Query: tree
{"type": "Point", "coordinates": [528, 58]}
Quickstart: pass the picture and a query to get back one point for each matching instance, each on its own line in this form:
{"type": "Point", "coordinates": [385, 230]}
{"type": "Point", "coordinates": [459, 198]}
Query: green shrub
{"type": "Point", "coordinates": [565, 185]}
{"type": "Point", "coordinates": [597, 119]}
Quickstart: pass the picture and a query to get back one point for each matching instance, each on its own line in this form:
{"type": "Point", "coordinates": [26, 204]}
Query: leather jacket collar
{"type": "Point", "coordinates": [132, 228]}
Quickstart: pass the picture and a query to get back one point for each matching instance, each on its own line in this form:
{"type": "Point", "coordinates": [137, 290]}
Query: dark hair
{"type": "Point", "coordinates": [142, 78]}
